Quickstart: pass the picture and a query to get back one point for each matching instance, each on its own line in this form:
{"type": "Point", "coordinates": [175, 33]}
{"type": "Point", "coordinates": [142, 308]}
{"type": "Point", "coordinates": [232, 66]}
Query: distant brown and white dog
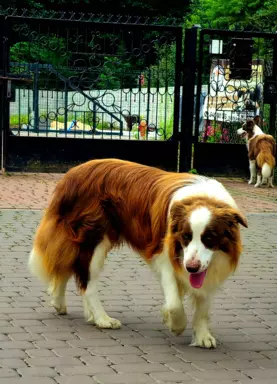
{"type": "Point", "coordinates": [261, 153]}
{"type": "Point", "coordinates": [186, 227]}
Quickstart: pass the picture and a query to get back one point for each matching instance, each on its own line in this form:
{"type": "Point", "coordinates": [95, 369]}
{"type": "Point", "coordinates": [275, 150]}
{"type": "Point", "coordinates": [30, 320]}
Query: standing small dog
{"type": "Point", "coordinates": [261, 152]}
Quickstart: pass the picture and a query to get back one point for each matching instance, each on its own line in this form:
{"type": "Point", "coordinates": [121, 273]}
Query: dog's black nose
{"type": "Point", "coordinates": [193, 265]}
{"type": "Point", "coordinates": [193, 269]}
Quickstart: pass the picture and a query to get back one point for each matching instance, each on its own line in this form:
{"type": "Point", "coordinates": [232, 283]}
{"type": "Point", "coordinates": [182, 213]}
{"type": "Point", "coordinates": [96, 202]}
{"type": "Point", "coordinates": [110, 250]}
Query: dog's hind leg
{"type": "Point", "coordinates": [259, 179]}
{"type": "Point", "coordinates": [201, 333]}
{"type": "Point", "coordinates": [93, 309]}
{"type": "Point", "coordinates": [57, 285]}
{"type": "Point", "coordinates": [57, 291]}
{"type": "Point", "coordinates": [270, 182]}
{"type": "Point", "coordinates": [253, 171]}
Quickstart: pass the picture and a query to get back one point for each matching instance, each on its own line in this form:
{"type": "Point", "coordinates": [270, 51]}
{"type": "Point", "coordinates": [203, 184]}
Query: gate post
{"type": "Point", "coordinates": [4, 103]}
{"type": "Point", "coordinates": [273, 109]}
{"type": "Point", "coordinates": [188, 99]}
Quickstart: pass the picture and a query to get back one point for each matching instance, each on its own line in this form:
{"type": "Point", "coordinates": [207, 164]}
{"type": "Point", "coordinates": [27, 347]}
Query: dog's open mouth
{"type": "Point", "coordinates": [197, 279]}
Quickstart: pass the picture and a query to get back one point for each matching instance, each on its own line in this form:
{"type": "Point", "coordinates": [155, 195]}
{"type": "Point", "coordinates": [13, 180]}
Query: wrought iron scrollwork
{"type": "Point", "coordinates": [227, 97]}
{"type": "Point", "coordinates": [90, 17]}
{"type": "Point", "coordinates": [94, 80]}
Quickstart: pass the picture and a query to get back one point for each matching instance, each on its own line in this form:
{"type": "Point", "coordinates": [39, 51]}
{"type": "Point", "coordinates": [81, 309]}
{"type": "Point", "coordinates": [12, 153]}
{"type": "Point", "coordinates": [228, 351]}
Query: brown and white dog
{"type": "Point", "coordinates": [186, 227]}
{"type": "Point", "coordinates": [250, 129]}
{"type": "Point", "coordinates": [261, 152]}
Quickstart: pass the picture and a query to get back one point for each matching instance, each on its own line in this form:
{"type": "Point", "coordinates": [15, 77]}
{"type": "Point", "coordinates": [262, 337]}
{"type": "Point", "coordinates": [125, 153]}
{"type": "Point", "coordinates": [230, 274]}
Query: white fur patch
{"type": "Point", "coordinates": [199, 219]}
{"type": "Point", "coordinates": [241, 131]}
{"type": "Point", "coordinates": [166, 274]}
{"type": "Point", "coordinates": [253, 171]}
{"type": "Point", "coordinates": [259, 181]}
{"type": "Point", "coordinates": [36, 267]}
{"type": "Point", "coordinates": [173, 311]}
{"type": "Point", "coordinates": [257, 130]}
{"type": "Point", "coordinates": [204, 187]}
{"type": "Point", "coordinates": [266, 171]}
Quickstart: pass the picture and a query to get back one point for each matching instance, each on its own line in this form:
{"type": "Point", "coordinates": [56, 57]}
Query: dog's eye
{"type": "Point", "coordinates": [227, 234]}
{"type": "Point", "coordinates": [187, 236]}
{"type": "Point", "coordinates": [209, 240]}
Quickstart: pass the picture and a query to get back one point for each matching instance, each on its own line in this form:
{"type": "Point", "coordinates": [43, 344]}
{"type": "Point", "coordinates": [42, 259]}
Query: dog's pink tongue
{"type": "Point", "coordinates": [197, 279]}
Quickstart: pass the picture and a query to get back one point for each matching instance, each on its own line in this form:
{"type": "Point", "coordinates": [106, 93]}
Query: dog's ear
{"type": "Point", "coordinates": [232, 216]}
{"type": "Point", "coordinates": [241, 219]}
{"type": "Point", "coordinates": [250, 124]}
{"type": "Point", "coordinates": [178, 213]}
{"type": "Point", "coordinates": [257, 120]}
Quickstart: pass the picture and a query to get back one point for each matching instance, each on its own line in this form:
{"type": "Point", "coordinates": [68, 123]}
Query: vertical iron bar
{"type": "Point", "coordinates": [65, 108]}
{"type": "Point", "coordinates": [273, 109]}
{"type": "Point", "coordinates": [188, 100]}
{"type": "Point", "coordinates": [36, 99]}
{"type": "Point", "coordinates": [177, 88]}
{"type": "Point", "coordinates": [4, 102]}
{"type": "Point", "coordinates": [148, 101]}
{"type": "Point", "coordinates": [199, 86]}
{"type": "Point", "coordinates": [94, 122]}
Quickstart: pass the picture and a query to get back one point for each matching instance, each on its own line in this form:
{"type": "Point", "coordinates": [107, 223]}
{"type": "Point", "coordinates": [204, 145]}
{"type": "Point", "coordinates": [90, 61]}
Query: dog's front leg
{"type": "Point", "coordinates": [173, 311]}
{"type": "Point", "coordinates": [253, 171]}
{"type": "Point", "coordinates": [201, 333]}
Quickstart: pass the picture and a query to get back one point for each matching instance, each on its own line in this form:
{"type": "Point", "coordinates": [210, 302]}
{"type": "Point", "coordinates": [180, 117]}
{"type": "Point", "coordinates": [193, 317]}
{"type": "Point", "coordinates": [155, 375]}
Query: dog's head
{"type": "Point", "coordinates": [200, 227]}
{"type": "Point", "coordinates": [248, 129]}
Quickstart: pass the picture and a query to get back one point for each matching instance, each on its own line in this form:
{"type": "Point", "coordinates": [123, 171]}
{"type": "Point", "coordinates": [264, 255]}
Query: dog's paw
{"type": "Point", "coordinates": [250, 182]}
{"type": "Point", "coordinates": [59, 307]}
{"type": "Point", "coordinates": [108, 323]}
{"type": "Point", "coordinates": [175, 319]}
{"type": "Point", "coordinates": [257, 185]}
{"type": "Point", "coordinates": [88, 315]}
{"type": "Point", "coordinates": [203, 340]}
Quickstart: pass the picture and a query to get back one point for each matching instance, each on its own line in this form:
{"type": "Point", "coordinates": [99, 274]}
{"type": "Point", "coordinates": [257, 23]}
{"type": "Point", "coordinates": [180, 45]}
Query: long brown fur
{"type": "Point", "coordinates": [122, 200]}
{"type": "Point", "coordinates": [262, 148]}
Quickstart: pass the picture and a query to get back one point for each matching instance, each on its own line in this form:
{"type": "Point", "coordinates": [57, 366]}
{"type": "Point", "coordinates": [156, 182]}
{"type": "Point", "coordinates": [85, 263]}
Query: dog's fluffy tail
{"type": "Point", "coordinates": [266, 171]}
{"type": "Point", "coordinates": [55, 252]}
{"type": "Point", "coordinates": [67, 236]}
{"type": "Point", "coordinates": [266, 161]}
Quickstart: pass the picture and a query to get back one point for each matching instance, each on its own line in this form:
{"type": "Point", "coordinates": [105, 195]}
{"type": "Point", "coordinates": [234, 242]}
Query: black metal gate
{"type": "Point", "coordinates": [234, 73]}
{"type": "Point", "coordinates": [76, 90]}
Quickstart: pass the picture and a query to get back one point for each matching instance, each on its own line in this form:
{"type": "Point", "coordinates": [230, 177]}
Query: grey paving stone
{"type": "Point", "coordinates": [65, 350]}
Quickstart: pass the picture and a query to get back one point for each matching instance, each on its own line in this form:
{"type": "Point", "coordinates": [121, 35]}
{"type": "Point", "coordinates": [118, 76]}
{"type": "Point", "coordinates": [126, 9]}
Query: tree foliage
{"type": "Point", "coordinates": [238, 14]}
{"type": "Point", "coordinates": [26, 52]}
{"type": "Point", "coordinates": [176, 8]}
{"type": "Point", "coordinates": [162, 74]}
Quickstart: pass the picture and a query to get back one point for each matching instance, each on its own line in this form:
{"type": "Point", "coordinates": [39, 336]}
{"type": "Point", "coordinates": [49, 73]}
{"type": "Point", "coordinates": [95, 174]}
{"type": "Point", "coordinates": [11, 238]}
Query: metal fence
{"type": "Point", "coordinates": [234, 67]}
{"type": "Point", "coordinates": [76, 86]}
{"type": "Point", "coordinates": [86, 77]}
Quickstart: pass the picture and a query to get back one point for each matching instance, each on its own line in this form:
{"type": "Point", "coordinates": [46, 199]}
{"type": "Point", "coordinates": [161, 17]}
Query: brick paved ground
{"type": "Point", "coordinates": [39, 347]}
